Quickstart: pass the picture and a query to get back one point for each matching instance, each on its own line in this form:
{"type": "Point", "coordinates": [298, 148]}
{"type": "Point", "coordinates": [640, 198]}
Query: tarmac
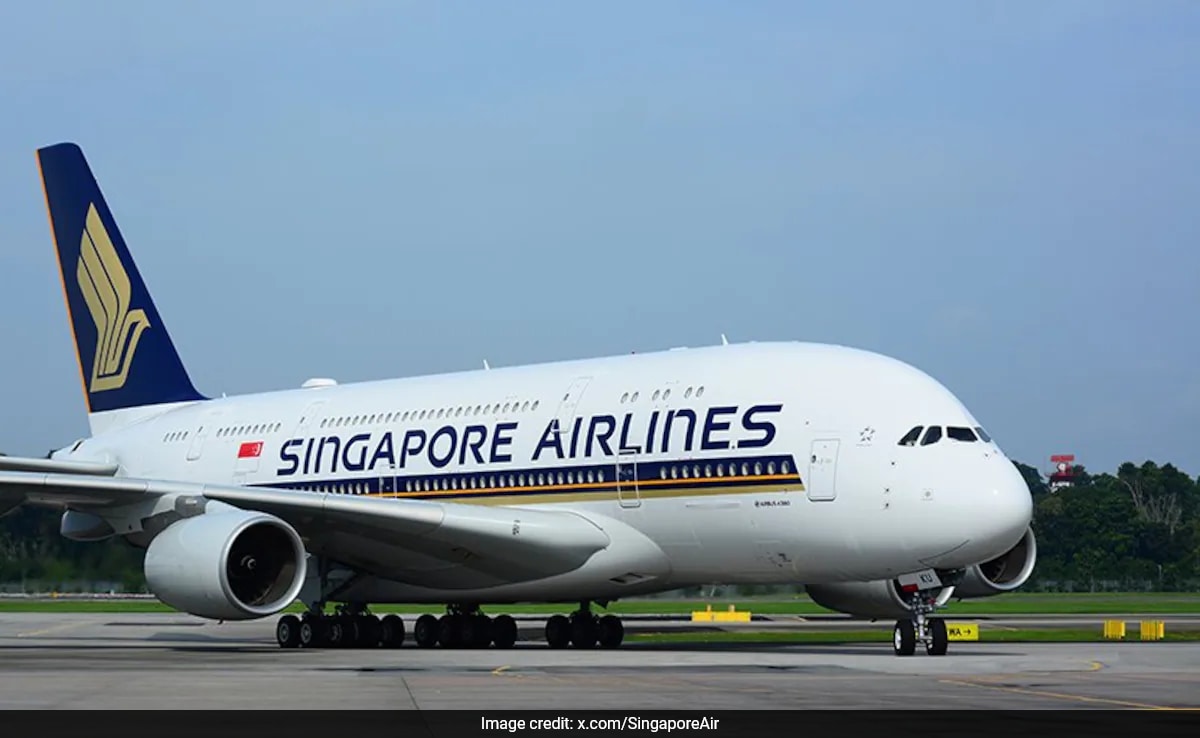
{"type": "Point", "coordinates": [173, 661]}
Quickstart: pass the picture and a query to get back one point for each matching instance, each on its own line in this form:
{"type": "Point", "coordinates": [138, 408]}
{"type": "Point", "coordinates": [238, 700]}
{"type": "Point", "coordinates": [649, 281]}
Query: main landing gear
{"type": "Point", "coordinates": [465, 627]}
{"type": "Point", "coordinates": [351, 626]}
{"type": "Point", "coordinates": [584, 630]}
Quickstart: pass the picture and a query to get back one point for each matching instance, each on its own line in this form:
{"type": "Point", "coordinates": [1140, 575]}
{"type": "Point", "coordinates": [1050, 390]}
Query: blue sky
{"type": "Point", "coordinates": [1004, 194]}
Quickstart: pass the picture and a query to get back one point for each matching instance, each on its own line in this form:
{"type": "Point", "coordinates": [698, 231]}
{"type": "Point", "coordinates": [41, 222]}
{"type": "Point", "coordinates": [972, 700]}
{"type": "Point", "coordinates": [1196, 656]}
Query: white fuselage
{"type": "Point", "coordinates": [765, 463]}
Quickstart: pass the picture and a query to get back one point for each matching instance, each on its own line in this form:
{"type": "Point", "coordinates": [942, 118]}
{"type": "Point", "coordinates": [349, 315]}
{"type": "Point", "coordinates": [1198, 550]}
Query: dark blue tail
{"type": "Point", "coordinates": [125, 354]}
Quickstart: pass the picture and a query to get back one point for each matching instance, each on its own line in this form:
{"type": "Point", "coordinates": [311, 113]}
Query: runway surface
{"type": "Point", "coordinates": [152, 661]}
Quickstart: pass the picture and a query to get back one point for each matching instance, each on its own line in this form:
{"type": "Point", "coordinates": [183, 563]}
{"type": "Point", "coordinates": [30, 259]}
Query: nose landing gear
{"type": "Point", "coordinates": [921, 590]}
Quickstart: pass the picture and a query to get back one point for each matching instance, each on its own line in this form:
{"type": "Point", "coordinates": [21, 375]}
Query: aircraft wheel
{"type": "Point", "coordinates": [391, 631]}
{"type": "Point", "coordinates": [370, 631]}
{"type": "Point", "coordinates": [904, 638]}
{"type": "Point", "coordinates": [611, 631]}
{"type": "Point", "coordinates": [450, 631]}
{"type": "Point", "coordinates": [335, 634]}
{"type": "Point", "coordinates": [558, 631]}
{"type": "Point", "coordinates": [310, 632]}
{"type": "Point", "coordinates": [426, 631]}
{"type": "Point", "coordinates": [504, 631]}
{"type": "Point", "coordinates": [938, 641]}
{"type": "Point", "coordinates": [477, 631]}
{"type": "Point", "coordinates": [287, 631]}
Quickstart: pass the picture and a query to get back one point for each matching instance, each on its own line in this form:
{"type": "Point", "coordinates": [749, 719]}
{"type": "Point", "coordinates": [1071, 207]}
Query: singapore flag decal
{"type": "Point", "coordinates": [250, 450]}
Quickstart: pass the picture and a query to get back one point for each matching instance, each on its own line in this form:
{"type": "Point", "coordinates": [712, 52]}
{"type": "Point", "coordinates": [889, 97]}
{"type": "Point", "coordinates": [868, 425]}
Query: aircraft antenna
{"type": "Point", "coordinates": [724, 340]}
{"type": "Point", "coordinates": [485, 364]}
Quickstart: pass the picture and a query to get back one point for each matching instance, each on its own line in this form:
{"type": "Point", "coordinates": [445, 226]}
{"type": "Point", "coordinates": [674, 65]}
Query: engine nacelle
{"type": "Point", "coordinates": [878, 599]}
{"type": "Point", "coordinates": [1002, 574]}
{"type": "Point", "coordinates": [882, 598]}
{"type": "Point", "coordinates": [228, 565]}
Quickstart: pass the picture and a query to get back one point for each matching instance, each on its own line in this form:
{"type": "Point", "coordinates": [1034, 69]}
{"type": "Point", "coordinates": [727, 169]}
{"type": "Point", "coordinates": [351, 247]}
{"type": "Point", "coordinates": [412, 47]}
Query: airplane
{"type": "Point", "coordinates": [576, 482]}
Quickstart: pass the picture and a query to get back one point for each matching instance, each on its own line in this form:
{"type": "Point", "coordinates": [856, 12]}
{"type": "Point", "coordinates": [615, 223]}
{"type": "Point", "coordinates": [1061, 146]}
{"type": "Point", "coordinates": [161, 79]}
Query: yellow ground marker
{"type": "Point", "coordinates": [962, 631]}
{"type": "Point", "coordinates": [730, 616]}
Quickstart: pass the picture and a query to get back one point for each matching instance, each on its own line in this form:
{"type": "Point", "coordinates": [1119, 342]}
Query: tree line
{"type": "Point", "coordinates": [1137, 529]}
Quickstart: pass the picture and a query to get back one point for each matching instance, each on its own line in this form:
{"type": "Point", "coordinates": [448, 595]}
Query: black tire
{"type": "Point", "coordinates": [334, 633]}
{"type": "Point", "coordinates": [314, 631]}
{"type": "Point", "coordinates": [611, 631]}
{"type": "Point", "coordinates": [391, 631]}
{"type": "Point", "coordinates": [558, 631]}
{"type": "Point", "coordinates": [370, 631]}
{"type": "Point", "coordinates": [504, 631]}
{"type": "Point", "coordinates": [479, 629]}
{"type": "Point", "coordinates": [939, 641]}
{"type": "Point", "coordinates": [287, 631]}
{"type": "Point", "coordinates": [904, 638]}
{"type": "Point", "coordinates": [426, 631]}
{"type": "Point", "coordinates": [450, 631]}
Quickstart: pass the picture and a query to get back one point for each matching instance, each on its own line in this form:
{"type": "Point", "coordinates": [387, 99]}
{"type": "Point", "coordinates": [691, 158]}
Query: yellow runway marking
{"type": "Point", "coordinates": [499, 670]}
{"type": "Point", "coordinates": [1057, 695]}
{"type": "Point", "coordinates": [47, 631]}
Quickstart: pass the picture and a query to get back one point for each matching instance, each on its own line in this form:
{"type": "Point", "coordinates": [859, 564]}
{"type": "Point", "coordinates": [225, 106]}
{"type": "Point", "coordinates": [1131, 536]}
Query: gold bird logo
{"type": "Point", "coordinates": [106, 290]}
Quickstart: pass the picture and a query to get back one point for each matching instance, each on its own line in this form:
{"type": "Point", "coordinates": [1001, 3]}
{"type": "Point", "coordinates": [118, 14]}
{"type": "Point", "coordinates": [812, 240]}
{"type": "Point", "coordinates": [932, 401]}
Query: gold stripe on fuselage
{"type": "Point", "coordinates": [605, 491]}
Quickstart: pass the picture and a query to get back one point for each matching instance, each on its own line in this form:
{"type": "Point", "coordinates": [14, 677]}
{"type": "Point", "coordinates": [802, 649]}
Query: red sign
{"type": "Point", "coordinates": [250, 450]}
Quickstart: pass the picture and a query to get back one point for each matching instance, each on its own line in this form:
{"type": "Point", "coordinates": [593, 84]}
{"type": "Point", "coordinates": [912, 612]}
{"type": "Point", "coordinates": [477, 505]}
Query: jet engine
{"type": "Point", "coordinates": [878, 599]}
{"type": "Point", "coordinates": [1002, 574]}
{"type": "Point", "coordinates": [228, 565]}
{"type": "Point", "coordinates": [882, 598]}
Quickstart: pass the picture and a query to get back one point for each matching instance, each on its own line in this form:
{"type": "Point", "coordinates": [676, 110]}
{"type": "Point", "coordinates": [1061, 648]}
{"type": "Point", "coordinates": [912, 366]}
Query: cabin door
{"type": "Point", "coordinates": [822, 470]}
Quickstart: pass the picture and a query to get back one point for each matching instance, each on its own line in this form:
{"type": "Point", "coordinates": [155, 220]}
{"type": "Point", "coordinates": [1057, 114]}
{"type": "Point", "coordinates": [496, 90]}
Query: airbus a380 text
{"type": "Point", "coordinates": [576, 482]}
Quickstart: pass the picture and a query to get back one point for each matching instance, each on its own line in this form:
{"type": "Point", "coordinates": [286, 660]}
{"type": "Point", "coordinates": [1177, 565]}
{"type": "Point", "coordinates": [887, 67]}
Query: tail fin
{"type": "Point", "coordinates": [126, 358]}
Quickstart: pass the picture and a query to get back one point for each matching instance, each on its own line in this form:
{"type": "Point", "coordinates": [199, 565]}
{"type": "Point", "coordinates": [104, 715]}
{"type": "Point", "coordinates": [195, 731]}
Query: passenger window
{"type": "Point", "coordinates": [933, 435]}
{"type": "Point", "coordinates": [910, 438]}
{"type": "Point", "coordinates": [960, 434]}
{"type": "Point", "coordinates": [983, 436]}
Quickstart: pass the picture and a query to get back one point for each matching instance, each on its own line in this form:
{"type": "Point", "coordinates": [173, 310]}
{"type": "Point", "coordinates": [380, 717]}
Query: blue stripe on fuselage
{"type": "Point", "coordinates": [714, 473]}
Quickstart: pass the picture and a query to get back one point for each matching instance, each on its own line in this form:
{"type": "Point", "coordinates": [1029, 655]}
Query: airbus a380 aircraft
{"type": "Point", "coordinates": [574, 482]}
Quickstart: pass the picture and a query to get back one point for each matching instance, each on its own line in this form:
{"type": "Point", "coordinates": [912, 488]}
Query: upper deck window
{"type": "Point", "coordinates": [933, 435]}
{"type": "Point", "coordinates": [960, 434]}
{"type": "Point", "coordinates": [910, 438]}
{"type": "Point", "coordinates": [983, 436]}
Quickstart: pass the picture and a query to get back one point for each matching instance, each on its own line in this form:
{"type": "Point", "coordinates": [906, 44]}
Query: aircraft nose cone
{"type": "Point", "coordinates": [984, 518]}
{"type": "Point", "coordinates": [1005, 511]}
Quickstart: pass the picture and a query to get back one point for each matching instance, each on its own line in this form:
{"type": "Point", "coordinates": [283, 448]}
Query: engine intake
{"type": "Point", "coordinates": [234, 565]}
{"type": "Point", "coordinates": [1004, 573]}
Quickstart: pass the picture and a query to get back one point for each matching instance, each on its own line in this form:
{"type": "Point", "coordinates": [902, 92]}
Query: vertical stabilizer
{"type": "Point", "coordinates": [126, 357]}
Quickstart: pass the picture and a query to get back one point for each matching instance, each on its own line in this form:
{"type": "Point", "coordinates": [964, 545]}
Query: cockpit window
{"type": "Point", "coordinates": [960, 434]}
{"type": "Point", "coordinates": [933, 435]}
{"type": "Point", "coordinates": [910, 438]}
{"type": "Point", "coordinates": [983, 436]}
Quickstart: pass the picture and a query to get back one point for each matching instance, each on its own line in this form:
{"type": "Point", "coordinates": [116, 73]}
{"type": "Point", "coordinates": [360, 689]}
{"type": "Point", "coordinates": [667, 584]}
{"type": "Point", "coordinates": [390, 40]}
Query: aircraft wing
{"type": "Point", "coordinates": [410, 539]}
